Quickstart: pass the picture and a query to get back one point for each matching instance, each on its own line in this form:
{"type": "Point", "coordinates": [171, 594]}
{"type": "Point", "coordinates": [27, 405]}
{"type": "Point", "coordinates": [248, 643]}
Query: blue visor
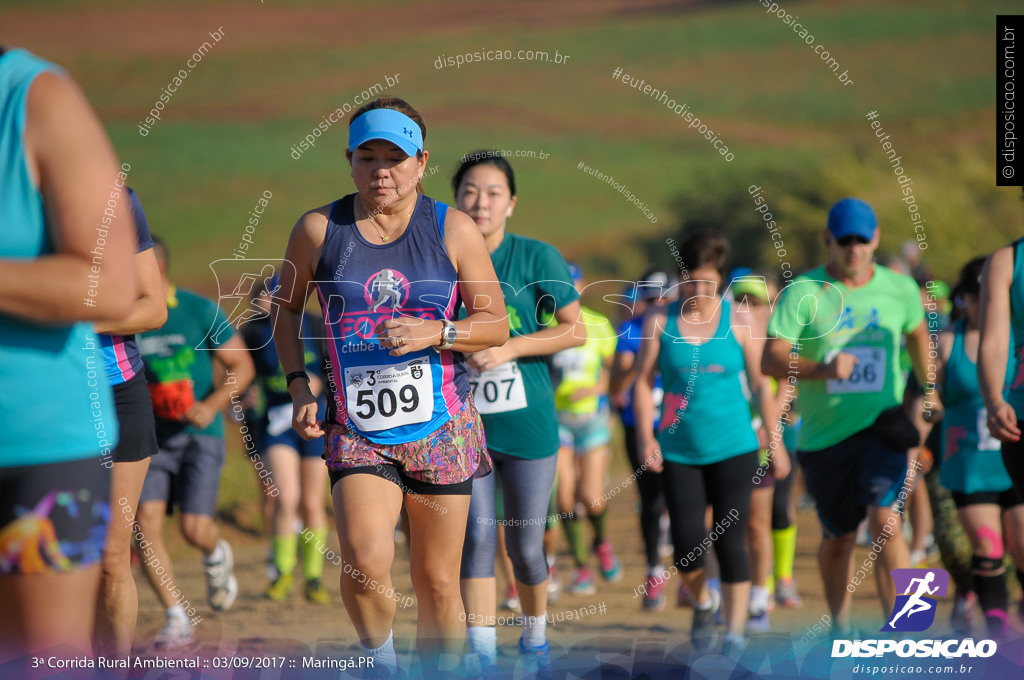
{"type": "Point", "coordinates": [387, 124]}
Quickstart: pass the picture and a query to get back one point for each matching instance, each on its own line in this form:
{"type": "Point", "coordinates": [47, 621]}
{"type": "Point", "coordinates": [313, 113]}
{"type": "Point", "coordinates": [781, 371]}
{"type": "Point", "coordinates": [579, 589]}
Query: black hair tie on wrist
{"type": "Point", "coordinates": [293, 375]}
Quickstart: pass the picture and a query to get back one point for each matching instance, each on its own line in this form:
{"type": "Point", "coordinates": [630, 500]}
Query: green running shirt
{"type": "Point", "coordinates": [823, 316]}
{"type": "Point", "coordinates": [516, 400]}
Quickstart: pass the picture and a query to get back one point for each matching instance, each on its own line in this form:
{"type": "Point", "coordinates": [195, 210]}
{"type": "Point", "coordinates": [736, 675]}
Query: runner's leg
{"type": "Point", "coordinates": [438, 529]}
{"type": "Point", "coordinates": [727, 485]}
{"type": "Point", "coordinates": [526, 490]}
{"type": "Point", "coordinates": [894, 553]}
{"type": "Point", "coordinates": [284, 466]}
{"type": "Point", "coordinates": [314, 516]}
{"type": "Point", "coordinates": [982, 522]}
{"type": "Point", "coordinates": [118, 610]}
{"type": "Point", "coordinates": [366, 509]}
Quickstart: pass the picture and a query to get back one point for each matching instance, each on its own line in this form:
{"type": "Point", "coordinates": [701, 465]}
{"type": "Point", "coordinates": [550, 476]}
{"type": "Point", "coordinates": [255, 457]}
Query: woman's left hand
{"type": "Point", "coordinates": [780, 462]}
{"type": "Point", "coordinates": [406, 334]}
{"type": "Point", "coordinates": [489, 358]}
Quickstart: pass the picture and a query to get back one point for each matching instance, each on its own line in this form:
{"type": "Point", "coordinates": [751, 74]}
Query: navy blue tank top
{"type": "Point", "coordinates": [389, 400]}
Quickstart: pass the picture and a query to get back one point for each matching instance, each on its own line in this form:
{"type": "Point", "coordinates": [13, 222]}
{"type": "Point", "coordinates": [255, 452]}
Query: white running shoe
{"type": "Point", "coordinates": [176, 634]}
{"type": "Point", "coordinates": [221, 585]}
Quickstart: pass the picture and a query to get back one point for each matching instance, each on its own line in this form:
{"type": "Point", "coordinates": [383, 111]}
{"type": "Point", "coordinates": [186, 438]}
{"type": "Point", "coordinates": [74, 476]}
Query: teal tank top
{"type": "Point", "coordinates": [1016, 395]}
{"type": "Point", "coordinates": [971, 458]}
{"type": "Point", "coordinates": [55, 403]}
{"type": "Point", "coordinates": [705, 415]}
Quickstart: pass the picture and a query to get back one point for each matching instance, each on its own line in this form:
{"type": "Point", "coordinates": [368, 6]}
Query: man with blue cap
{"type": "Point", "coordinates": [843, 347]}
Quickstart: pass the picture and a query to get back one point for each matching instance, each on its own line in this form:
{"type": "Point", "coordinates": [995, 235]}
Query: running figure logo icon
{"type": "Point", "coordinates": [385, 286]}
{"type": "Point", "coordinates": [914, 610]}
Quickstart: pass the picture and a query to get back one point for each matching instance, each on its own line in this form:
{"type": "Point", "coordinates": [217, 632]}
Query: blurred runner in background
{"type": "Point", "coordinates": [188, 401]}
{"type": "Point", "coordinates": [580, 377]}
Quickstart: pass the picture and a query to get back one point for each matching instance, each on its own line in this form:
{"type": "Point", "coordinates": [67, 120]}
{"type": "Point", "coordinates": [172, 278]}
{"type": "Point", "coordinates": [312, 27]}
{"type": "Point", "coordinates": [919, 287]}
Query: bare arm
{"type": "Point", "coordinates": [750, 338]}
{"type": "Point", "coordinates": [623, 372]}
{"type": "Point", "coordinates": [994, 344]}
{"type": "Point", "coordinates": [945, 350]}
{"type": "Point", "coordinates": [304, 246]}
{"type": "Point", "coordinates": [777, 362]}
{"type": "Point", "coordinates": [150, 309]}
{"type": "Point", "coordinates": [486, 323]}
{"type": "Point", "coordinates": [933, 410]}
{"type": "Point", "coordinates": [570, 332]}
{"type": "Point", "coordinates": [643, 395]}
{"type": "Point", "coordinates": [69, 155]}
{"type": "Point", "coordinates": [233, 356]}
{"type": "Point", "coordinates": [917, 347]}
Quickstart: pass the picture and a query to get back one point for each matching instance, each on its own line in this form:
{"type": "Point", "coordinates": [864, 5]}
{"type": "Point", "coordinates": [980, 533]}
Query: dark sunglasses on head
{"type": "Point", "coordinates": [850, 240]}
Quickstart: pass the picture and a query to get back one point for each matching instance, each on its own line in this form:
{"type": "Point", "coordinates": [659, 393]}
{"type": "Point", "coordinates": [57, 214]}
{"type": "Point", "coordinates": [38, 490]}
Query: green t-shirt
{"type": "Point", "coordinates": [823, 316]}
{"type": "Point", "coordinates": [580, 367]}
{"type": "Point", "coordinates": [516, 400]}
{"type": "Point", "coordinates": [180, 353]}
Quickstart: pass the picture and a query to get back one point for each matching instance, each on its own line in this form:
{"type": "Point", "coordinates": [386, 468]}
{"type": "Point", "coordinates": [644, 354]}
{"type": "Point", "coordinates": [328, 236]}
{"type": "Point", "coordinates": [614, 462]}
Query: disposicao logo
{"type": "Point", "coordinates": [914, 612]}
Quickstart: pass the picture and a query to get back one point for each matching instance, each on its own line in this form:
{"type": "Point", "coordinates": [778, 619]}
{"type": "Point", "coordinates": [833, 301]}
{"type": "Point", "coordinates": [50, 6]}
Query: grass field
{"type": "Point", "coordinates": [226, 134]}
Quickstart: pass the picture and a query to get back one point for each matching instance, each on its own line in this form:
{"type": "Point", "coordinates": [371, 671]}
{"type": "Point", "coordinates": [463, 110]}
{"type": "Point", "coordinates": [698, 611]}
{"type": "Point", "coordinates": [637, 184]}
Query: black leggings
{"type": "Point", "coordinates": [1013, 460]}
{"type": "Point", "coordinates": [780, 502]}
{"type": "Point", "coordinates": [727, 487]}
{"type": "Point", "coordinates": [652, 499]}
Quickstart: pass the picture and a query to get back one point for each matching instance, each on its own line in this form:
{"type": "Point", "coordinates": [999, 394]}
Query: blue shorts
{"type": "Point", "coordinates": [275, 428]}
{"type": "Point", "coordinates": [584, 431]}
{"type": "Point", "coordinates": [847, 477]}
{"type": "Point", "coordinates": [314, 448]}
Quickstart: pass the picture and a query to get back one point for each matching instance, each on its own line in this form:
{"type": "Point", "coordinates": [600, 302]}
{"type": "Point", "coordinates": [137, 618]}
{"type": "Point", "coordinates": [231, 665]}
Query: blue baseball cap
{"type": "Point", "coordinates": [852, 217]}
{"type": "Point", "coordinates": [388, 124]}
{"type": "Point", "coordinates": [575, 271]}
{"type": "Point", "coordinates": [739, 273]}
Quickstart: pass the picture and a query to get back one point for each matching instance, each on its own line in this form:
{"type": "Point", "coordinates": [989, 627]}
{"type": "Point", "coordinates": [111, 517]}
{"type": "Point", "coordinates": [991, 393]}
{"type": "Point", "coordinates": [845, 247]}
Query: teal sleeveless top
{"type": "Point", "coordinates": [54, 399]}
{"type": "Point", "coordinates": [971, 459]}
{"type": "Point", "coordinates": [705, 415]}
{"type": "Point", "coordinates": [1016, 395]}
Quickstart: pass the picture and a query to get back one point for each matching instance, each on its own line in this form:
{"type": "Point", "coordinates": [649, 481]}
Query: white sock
{"type": "Point", "coordinates": [384, 656]}
{"type": "Point", "coordinates": [655, 572]}
{"type": "Point", "coordinates": [446, 661]}
{"type": "Point", "coordinates": [217, 556]}
{"type": "Point", "coordinates": [483, 640]}
{"type": "Point", "coordinates": [704, 606]}
{"type": "Point", "coordinates": [535, 630]}
{"type": "Point", "coordinates": [758, 598]}
{"type": "Point", "coordinates": [177, 612]}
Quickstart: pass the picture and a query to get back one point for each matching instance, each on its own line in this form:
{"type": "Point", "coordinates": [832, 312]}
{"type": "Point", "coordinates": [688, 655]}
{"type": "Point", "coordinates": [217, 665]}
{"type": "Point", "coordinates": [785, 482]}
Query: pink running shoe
{"type": "Point", "coordinates": [654, 594]}
{"type": "Point", "coordinates": [611, 568]}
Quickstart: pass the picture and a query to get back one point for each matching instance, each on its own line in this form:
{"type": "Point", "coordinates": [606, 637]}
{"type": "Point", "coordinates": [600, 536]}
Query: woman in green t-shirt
{"type": "Point", "coordinates": [512, 390]}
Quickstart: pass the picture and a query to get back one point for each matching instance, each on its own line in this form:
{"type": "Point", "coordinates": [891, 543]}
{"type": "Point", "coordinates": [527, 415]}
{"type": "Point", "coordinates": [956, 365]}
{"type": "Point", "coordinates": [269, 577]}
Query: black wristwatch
{"type": "Point", "coordinates": [448, 336]}
{"type": "Point", "coordinates": [293, 375]}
